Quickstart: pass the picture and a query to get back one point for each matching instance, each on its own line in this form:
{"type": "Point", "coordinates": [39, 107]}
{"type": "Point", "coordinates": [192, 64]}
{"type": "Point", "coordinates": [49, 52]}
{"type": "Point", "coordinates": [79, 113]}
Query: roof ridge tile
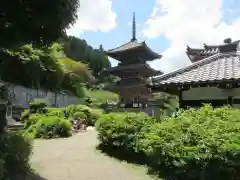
{"type": "Point", "coordinates": [191, 66]}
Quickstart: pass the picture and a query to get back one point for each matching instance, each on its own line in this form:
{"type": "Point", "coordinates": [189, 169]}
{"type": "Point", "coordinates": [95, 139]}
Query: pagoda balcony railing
{"type": "Point", "coordinates": [132, 81]}
{"type": "Point", "coordinates": [133, 105]}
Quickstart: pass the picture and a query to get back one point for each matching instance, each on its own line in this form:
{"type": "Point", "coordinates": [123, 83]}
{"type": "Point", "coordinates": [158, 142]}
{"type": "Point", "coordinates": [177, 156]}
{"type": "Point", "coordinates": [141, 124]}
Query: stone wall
{"type": "Point", "coordinates": [22, 96]}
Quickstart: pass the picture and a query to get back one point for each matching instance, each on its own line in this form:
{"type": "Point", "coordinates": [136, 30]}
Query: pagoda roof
{"type": "Point", "coordinates": [217, 68]}
{"type": "Point", "coordinates": [143, 69]}
{"type": "Point", "coordinates": [209, 50]}
{"type": "Point", "coordinates": [121, 52]}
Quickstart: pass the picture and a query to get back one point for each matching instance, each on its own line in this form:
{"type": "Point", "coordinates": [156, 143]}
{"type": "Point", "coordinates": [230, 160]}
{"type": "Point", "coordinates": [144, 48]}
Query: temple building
{"type": "Point", "coordinates": [213, 77]}
{"type": "Point", "coordinates": [133, 71]}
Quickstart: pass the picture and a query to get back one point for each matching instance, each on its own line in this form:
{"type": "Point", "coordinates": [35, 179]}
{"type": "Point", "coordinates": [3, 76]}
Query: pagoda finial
{"type": "Point", "coordinates": [134, 28]}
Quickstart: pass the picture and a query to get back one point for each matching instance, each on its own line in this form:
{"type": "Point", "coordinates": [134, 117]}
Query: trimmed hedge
{"type": "Point", "coordinates": [92, 114]}
{"type": "Point", "coordinates": [15, 152]}
{"type": "Point", "coordinates": [52, 122]}
{"type": "Point", "coordinates": [41, 126]}
{"type": "Point", "coordinates": [195, 145]}
{"type": "Point", "coordinates": [123, 130]}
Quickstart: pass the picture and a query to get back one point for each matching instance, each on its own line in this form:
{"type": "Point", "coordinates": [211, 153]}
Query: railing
{"type": "Point", "coordinates": [132, 81]}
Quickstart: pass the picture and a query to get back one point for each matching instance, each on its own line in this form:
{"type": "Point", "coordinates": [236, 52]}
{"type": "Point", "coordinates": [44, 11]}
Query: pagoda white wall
{"type": "Point", "coordinates": [210, 93]}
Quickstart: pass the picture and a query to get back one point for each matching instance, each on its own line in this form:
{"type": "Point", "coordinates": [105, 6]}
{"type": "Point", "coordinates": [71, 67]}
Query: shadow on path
{"type": "Point", "coordinates": [34, 176]}
{"type": "Point", "coordinates": [119, 154]}
{"type": "Point", "coordinates": [134, 158]}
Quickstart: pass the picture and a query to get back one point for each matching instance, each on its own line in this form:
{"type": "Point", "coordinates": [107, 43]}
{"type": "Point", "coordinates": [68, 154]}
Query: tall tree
{"type": "Point", "coordinates": [78, 50]}
{"type": "Point", "coordinates": [35, 21]}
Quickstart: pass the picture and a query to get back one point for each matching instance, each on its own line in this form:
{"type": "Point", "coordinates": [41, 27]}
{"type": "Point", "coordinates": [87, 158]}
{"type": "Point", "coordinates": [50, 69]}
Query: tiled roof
{"type": "Point", "coordinates": [124, 47]}
{"type": "Point", "coordinates": [214, 68]}
{"type": "Point", "coordinates": [213, 49]}
{"type": "Point", "coordinates": [203, 52]}
{"type": "Point", "coordinates": [133, 45]}
{"type": "Point", "coordinates": [143, 69]}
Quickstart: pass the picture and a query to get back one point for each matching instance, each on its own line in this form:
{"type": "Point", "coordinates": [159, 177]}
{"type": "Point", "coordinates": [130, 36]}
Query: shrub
{"type": "Point", "coordinates": [122, 130]}
{"type": "Point", "coordinates": [95, 115]}
{"type": "Point", "coordinates": [197, 144]}
{"type": "Point", "coordinates": [38, 106]}
{"type": "Point", "coordinates": [32, 120]}
{"type": "Point", "coordinates": [92, 114]}
{"type": "Point", "coordinates": [101, 96]}
{"type": "Point", "coordinates": [14, 156]}
{"type": "Point", "coordinates": [59, 112]}
{"type": "Point", "coordinates": [79, 115]}
{"type": "Point", "coordinates": [25, 115]}
{"type": "Point", "coordinates": [53, 127]}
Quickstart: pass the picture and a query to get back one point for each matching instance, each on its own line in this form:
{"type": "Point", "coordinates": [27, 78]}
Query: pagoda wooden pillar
{"type": "Point", "coordinates": [181, 105]}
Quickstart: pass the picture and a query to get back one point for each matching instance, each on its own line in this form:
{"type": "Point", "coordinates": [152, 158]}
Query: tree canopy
{"type": "Point", "coordinates": [46, 68]}
{"type": "Point", "coordinates": [78, 50]}
{"type": "Point", "coordinates": [41, 22]}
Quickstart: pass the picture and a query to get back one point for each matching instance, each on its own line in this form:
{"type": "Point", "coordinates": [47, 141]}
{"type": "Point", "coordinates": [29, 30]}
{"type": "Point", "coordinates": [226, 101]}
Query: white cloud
{"type": "Point", "coordinates": [94, 15]}
{"type": "Point", "coordinates": [188, 22]}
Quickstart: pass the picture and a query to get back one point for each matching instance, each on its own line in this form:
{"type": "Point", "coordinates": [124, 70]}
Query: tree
{"type": "Point", "coordinates": [35, 21]}
{"type": "Point", "coordinates": [78, 50]}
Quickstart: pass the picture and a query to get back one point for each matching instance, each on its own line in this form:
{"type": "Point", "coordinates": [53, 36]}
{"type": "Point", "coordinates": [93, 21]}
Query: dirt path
{"type": "Point", "coordinates": [75, 158]}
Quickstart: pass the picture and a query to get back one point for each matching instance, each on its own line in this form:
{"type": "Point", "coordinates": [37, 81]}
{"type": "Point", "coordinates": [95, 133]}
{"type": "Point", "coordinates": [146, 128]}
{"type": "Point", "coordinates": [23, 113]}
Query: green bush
{"type": "Point", "coordinates": [193, 145]}
{"type": "Point", "coordinates": [123, 130]}
{"type": "Point", "coordinates": [53, 127]}
{"type": "Point", "coordinates": [32, 120]}
{"type": "Point", "coordinates": [72, 109]}
{"type": "Point", "coordinates": [59, 112]}
{"type": "Point", "coordinates": [14, 156]}
{"type": "Point", "coordinates": [198, 144]}
{"type": "Point", "coordinates": [92, 114]}
{"type": "Point", "coordinates": [79, 115]}
{"type": "Point", "coordinates": [38, 106]}
{"type": "Point", "coordinates": [25, 115]}
{"type": "Point", "coordinates": [95, 115]}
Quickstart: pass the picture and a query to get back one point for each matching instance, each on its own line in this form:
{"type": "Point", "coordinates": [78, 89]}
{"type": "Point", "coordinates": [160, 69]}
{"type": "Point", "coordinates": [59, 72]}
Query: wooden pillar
{"type": "Point", "coordinates": [230, 100]}
{"type": "Point", "coordinates": [180, 100]}
{"type": "Point", "coordinates": [3, 120]}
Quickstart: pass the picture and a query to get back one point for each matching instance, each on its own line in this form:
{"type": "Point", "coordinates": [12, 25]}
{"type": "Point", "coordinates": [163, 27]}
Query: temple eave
{"type": "Point", "coordinates": [131, 48]}
{"type": "Point", "coordinates": [144, 71]}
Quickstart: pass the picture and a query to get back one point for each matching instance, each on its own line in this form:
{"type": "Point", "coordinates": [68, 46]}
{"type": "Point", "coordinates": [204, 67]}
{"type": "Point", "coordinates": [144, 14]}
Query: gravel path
{"type": "Point", "coordinates": [75, 158]}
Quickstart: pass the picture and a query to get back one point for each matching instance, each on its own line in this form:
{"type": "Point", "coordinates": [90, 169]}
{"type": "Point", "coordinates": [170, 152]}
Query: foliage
{"type": "Point", "coordinates": [53, 127]}
{"type": "Point", "coordinates": [49, 125]}
{"type": "Point", "coordinates": [25, 115]}
{"type": "Point", "coordinates": [170, 103]}
{"type": "Point", "coordinates": [122, 129]}
{"type": "Point", "coordinates": [79, 115]}
{"type": "Point", "coordinates": [46, 68]}
{"type": "Point", "coordinates": [78, 50]}
{"type": "Point", "coordinates": [96, 114]}
{"type": "Point", "coordinates": [38, 106]}
{"type": "Point", "coordinates": [196, 144]}
{"type": "Point", "coordinates": [92, 114]}
{"type": "Point", "coordinates": [58, 112]}
{"type": "Point", "coordinates": [41, 22]}
{"type": "Point", "coordinates": [75, 73]}
{"type": "Point", "coordinates": [72, 109]}
{"type": "Point", "coordinates": [101, 96]}
{"type": "Point", "coordinates": [32, 120]}
{"type": "Point", "coordinates": [14, 156]}
{"type": "Point", "coordinates": [31, 67]}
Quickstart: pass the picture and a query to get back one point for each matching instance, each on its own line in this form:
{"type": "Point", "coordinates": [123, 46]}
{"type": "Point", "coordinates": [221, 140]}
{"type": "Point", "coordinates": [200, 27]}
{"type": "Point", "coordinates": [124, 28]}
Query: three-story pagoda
{"type": "Point", "coordinates": [133, 71]}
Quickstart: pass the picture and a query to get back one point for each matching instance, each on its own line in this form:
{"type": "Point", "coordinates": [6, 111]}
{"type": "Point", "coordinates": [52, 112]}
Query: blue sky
{"type": "Point", "coordinates": [166, 26]}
